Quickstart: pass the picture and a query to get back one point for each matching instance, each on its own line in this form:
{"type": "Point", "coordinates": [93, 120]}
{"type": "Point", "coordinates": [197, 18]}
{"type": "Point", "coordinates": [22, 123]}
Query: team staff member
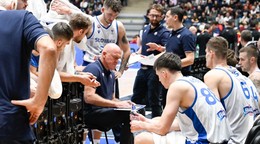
{"type": "Point", "coordinates": [100, 102]}
{"type": "Point", "coordinates": [20, 33]}
{"type": "Point", "coordinates": [147, 82]}
{"type": "Point", "coordinates": [181, 42]}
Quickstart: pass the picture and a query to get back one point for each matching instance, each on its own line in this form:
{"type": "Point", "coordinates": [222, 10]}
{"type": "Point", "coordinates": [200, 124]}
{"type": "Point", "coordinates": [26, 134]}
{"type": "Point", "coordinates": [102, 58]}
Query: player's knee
{"type": "Point", "coordinates": [143, 138]}
{"type": "Point", "coordinates": [138, 139]}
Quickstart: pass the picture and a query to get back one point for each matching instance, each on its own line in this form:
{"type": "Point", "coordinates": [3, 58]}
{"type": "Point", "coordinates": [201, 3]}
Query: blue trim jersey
{"type": "Point", "coordinates": [249, 90]}
{"type": "Point", "coordinates": [205, 120]}
{"type": "Point", "coordinates": [100, 36]}
{"type": "Point", "coordinates": [19, 33]}
{"type": "Point", "coordinates": [238, 104]}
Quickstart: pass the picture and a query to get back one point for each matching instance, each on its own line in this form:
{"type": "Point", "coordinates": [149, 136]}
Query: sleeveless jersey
{"type": "Point", "coordinates": [249, 89]}
{"type": "Point", "coordinates": [205, 120]}
{"type": "Point", "coordinates": [238, 107]}
{"type": "Point", "coordinates": [100, 36]}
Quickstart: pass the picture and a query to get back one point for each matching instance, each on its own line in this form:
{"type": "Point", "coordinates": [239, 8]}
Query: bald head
{"type": "Point", "coordinates": [111, 48]}
{"type": "Point", "coordinates": [110, 56]}
{"type": "Point", "coordinates": [193, 29]}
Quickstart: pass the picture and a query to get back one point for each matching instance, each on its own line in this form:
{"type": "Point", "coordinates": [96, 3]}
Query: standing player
{"type": "Point", "coordinates": [105, 29]}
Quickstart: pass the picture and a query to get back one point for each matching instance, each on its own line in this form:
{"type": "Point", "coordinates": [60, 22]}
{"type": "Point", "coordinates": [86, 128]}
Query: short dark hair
{"type": "Point", "coordinates": [115, 5]}
{"type": "Point", "coordinates": [79, 21]}
{"type": "Point", "coordinates": [246, 35]}
{"type": "Point", "coordinates": [177, 11]}
{"type": "Point", "coordinates": [62, 30]}
{"type": "Point", "coordinates": [251, 51]}
{"type": "Point", "coordinates": [168, 60]}
{"type": "Point", "coordinates": [48, 31]}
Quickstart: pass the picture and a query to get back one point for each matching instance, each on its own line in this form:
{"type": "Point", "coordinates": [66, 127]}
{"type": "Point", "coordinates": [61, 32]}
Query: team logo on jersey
{"type": "Point", "coordinates": [112, 31]}
{"type": "Point", "coordinates": [179, 35]}
{"type": "Point", "coordinates": [221, 114]}
{"type": "Point", "coordinates": [98, 26]}
{"type": "Point", "coordinates": [248, 110]}
{"type": "Point", "coordinates": [155, 33]}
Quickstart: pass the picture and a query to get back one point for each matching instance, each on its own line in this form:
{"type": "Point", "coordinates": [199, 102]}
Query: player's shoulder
{"type": "Point", "coordinates": [255, 75]}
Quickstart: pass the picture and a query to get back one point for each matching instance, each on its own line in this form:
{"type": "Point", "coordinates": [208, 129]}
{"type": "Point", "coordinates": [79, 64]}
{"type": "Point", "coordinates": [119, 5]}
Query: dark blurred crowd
{"type": "Point", "coordinates": [227, 18]}
{"type": "Point", "coordinates": [92, 7]}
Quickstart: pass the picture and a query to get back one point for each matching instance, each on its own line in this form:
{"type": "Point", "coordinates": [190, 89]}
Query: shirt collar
{"type": "Point", "coordinates": [178, 30]}
{"type": "Point", "coordinates": [156, 28]}
{"type": "Point", "coordinates": [107, 72]}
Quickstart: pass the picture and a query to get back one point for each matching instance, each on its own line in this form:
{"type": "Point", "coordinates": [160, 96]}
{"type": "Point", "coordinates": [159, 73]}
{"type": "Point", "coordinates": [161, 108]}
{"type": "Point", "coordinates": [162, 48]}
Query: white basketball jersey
{"type": "Point", "coordinates": [249, 89]}
{"type": "Point", "coordinates": [238, 107]}
{"type": "Point", "coordinates": [205, 121]}
{"type": "Point", "coordinates": [67, 57]}
{"type": "Point", "coordinates": [100, 36]}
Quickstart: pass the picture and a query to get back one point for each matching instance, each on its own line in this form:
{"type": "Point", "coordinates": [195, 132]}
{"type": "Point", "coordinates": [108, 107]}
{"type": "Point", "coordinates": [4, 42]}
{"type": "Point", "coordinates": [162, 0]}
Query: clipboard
{"type": "Point", "coordinates": [137, 107]}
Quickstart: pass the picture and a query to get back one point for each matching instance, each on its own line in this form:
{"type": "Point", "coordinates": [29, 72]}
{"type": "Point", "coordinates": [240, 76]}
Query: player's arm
{"type": "Point", "coordinates": [84, 78]}
{"type": "Point", "coordinates": [255, 78]}
{"type": "Point", "coordinates": [163, 126]}
{"type": "Point", "coordinates": [47, 64]}
{"type": "Point", "coordinates": [91, 97]}
{"type": "Point", "coordinates": [124, 45]}
{"type": "Point", "coordinates": [189, 47]}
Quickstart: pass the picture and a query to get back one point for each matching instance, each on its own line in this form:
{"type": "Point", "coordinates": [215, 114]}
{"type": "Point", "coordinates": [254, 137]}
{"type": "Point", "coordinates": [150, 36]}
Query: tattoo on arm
{"type": "Point", "coordinates": [123, 64]}
{"type": "Point", "coordinates": [125, 56]}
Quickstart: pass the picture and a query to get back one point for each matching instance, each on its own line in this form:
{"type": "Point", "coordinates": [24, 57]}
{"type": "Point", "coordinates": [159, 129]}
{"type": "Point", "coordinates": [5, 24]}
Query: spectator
{"type": "Point", "coordinates": [83, 5]}
{"type": "Point", "coordinates": [202, 39]}
{"type": "Point", "coordinates": [230, 34]}
{"type": "Point", "coordinates": [254, 29]}
{"type": "Point", "coordinates": [193, 30]}
{"type": "Point", "coordinates": [246, 38]}
{"type": "Point", "coordinates": [214, 29]}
